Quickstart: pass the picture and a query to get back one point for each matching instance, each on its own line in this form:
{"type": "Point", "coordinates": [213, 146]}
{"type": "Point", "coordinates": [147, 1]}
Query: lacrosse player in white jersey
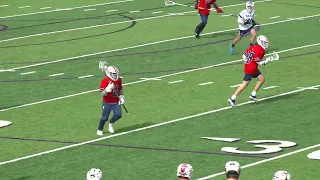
{"type": "Point", "coordinates": [246, 25]}
{"type": "Point", "coordinates": [94, 174]}
{"type": "Point", "coordinates": [184, 171]}
{"type": "Point", "coordinates": [281, 175]}
{"type": "Point", "coordinates": [232, 170]}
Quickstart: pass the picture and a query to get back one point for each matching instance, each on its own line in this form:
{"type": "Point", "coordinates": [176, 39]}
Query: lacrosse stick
{"type": "Point", "coordinates": [274, 57]}
{"type": "Point", "coordinates": [171, 3]}
{"type": "Point", "coordinates": [103, 66]}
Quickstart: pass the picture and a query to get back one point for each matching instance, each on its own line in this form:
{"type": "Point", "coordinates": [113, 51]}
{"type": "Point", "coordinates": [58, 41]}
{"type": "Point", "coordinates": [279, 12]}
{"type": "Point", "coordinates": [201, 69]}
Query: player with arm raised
{"type": "Point", "coordinates": [204, 7]}
{"type": "Point", "coordinates": [112, 92]}
{"type": "Point", "coordinates": [184, 171]}
{"type": "Point", "coordinates": [232, 170]}
{"type": "Point", "coordinates": [246, 25]}
{"type": "Point", "coordinates": [252, 58]}
{"type": "Point", "coordinates": [281, 175]}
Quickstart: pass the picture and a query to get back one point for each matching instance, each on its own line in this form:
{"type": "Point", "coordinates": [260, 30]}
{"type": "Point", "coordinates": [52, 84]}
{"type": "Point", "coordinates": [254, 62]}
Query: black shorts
{"type": "Point", "coordinates": [248, 77]}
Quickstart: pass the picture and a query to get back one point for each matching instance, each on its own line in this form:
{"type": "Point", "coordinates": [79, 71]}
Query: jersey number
{"type": "Point", "coordinates": [249, 57]}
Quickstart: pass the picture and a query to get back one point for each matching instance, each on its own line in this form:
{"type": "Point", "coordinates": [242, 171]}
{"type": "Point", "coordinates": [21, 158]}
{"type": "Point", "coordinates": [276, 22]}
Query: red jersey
{"type": "Point", "coordinates": [111, 97]}
{"type": "Point", "coordinates": [253, 55]}
{"type": "Point", "coordinates": [205, 6]}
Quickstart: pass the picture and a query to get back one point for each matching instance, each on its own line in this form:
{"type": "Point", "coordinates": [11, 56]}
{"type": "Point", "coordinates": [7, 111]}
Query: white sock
{"type": "Point", "coordinates": [253, 93]}
{"type": "Point", "coordinates": [233, 97]}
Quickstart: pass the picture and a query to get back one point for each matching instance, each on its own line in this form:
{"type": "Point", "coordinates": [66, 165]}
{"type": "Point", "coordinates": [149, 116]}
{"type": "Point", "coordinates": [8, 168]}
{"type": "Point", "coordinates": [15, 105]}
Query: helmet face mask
{"type": "Point", "coordinates": [263, 41]}
{"type": "Point", "coordinates": [249, 6]}
{"type": "Point", "coordinates": [112, 72]}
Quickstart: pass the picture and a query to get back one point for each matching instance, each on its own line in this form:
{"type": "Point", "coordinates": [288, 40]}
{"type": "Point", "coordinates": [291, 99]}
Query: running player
{"type": "Point", "coordinates": [204, 7]}
{"type": "Point", "coordinates": [246, 25]}
{"type": "Point", "coordinates": [252, 58]}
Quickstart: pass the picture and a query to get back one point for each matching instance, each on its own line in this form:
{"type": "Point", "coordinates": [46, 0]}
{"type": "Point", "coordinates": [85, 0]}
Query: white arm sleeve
{"type": "Point", "coordinates": [241, 17]}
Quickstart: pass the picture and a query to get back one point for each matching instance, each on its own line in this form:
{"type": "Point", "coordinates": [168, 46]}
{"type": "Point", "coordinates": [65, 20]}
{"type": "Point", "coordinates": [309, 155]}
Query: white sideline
{"type": "Point", "coordinates": [107, 24]}
{"type": "Point", "coordinates": [143, 45]}
{"type": "Point", "coordinates": [152, 126]}
{"type": "Point", "coordinates": [140, 81]}
{"type": "Point", "coordinates": [264, 161]}
{"type": "Point", "coordinates": [79, 7]}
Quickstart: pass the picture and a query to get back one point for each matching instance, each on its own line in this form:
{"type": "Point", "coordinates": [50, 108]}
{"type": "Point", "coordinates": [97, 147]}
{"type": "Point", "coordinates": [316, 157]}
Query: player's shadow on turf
{"type": "Point", "coordinates": [136, 126]}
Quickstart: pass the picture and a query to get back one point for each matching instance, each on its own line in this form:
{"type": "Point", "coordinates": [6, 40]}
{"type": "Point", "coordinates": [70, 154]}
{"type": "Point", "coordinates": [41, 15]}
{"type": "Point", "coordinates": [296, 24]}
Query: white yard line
{"type": "Point", "coordinates": [226, 15]}
{"type": "Point", "coordinates": [157, 12]}
{"type": "Point", "coordinates": [58, 74]}
{"type": "Point", "coordinates": [237, 85]}
{"type": "Point", "coordinates": [86, 76]}
{"type": "Point", "coordinates": [135, 11]}
{"type": "Point", "coordinates": [89, 9]}
{"type": "Point", "coordinates": [174, 82]}
{"type": "Point", "coordinates": [6, 70]}
{"type": "Point", "coordinates": [46, 8]}
{"type": "Point", "coordinates": [206, 83]}
{"type": "Point", "coordinates": [270, 87]}
{"type": "Point", "coordinates": [25, 73]}
{"type": "Point", "coordinates": [264, 161]}
{"type": "Point", "coordinates": [24, 7]}
{"type": "Point", "coordinates": [308, 88]}
{"type": "Point", "coordinates": [79, 7]}
{"type": "Point", "coordinates": [274, 17]}
{"type": "Point", "coordinates": [151, 79]}
{"type": "Point", "coordinates": [140, 81]}
{"type": "Point", "coordinates": [147, 44]}
{"type": "Point", "coordinates": [157, 125]}
{"type": "Point", "coordinates": [100, 25]}
{"type": "Point", "coordinates": [4, 6]}
{"type": "Point", "coordinates": [112, 10]}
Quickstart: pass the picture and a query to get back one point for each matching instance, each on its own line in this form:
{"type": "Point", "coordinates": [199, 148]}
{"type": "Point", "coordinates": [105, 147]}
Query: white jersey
{"type": "Point", "coordinates": [243, 16]}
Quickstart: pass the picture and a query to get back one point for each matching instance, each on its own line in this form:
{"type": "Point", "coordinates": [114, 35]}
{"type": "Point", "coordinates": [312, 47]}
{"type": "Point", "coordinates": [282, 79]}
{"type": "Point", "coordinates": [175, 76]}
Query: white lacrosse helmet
{"type": "Point", "coordinates": [249, 6]}
{"type": "Point", "coordinates": [263, 41]}
{"type": "Point", "coordinates": [94, 174]}
{"type": "Point", "coordinates": [112, 72]}
{"type": "Point", "coordinates": [281, 175]}
{"type": "Point", "coordinates": [185, 170]}
{"type": "Point", "coordinates": [232, 168]}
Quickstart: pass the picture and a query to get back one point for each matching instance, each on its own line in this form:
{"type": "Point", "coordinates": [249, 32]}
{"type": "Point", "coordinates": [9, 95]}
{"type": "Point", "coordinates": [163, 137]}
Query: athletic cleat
{"type": "Point", "coordinates": [253, 98]}
{"type": "Point", "coordinates": [111, 130]}
{"type": "Point", "coordinates": [196, 35]}
{"type": "Point", "coordinates": [231, 49]}
{"type": "Point", "coordinates": [99, 133]}
{"type": "Point", "coordinates": [232, 102]}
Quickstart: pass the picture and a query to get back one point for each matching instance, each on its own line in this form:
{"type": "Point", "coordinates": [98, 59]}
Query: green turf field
{"type": "Point", "coordinates": [49, 80]}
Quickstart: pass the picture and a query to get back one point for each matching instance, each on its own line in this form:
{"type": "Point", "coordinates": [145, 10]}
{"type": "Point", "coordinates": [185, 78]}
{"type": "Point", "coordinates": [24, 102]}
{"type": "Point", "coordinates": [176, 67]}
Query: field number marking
{"type": "Point", "coordinates": [314, 155]}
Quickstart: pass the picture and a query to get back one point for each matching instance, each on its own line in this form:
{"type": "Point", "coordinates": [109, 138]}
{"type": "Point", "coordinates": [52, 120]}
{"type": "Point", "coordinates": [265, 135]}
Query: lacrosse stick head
{"type": "Point", "coordinates": [275, 56]}
{"type": "Point", "coordinates": [103, 66]}
{"type": "Point", "coordinates": [168, 3]}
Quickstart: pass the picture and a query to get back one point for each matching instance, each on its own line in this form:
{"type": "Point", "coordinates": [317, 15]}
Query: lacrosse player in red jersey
{"type": "Point", "coordinates": [204, 7]}
{"type": "Point", "coordinates": [111, 90]}
{"type": "Point", "coordinates": [184, 171]}
{"type": "Point", "coordinates": [252, 58]}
